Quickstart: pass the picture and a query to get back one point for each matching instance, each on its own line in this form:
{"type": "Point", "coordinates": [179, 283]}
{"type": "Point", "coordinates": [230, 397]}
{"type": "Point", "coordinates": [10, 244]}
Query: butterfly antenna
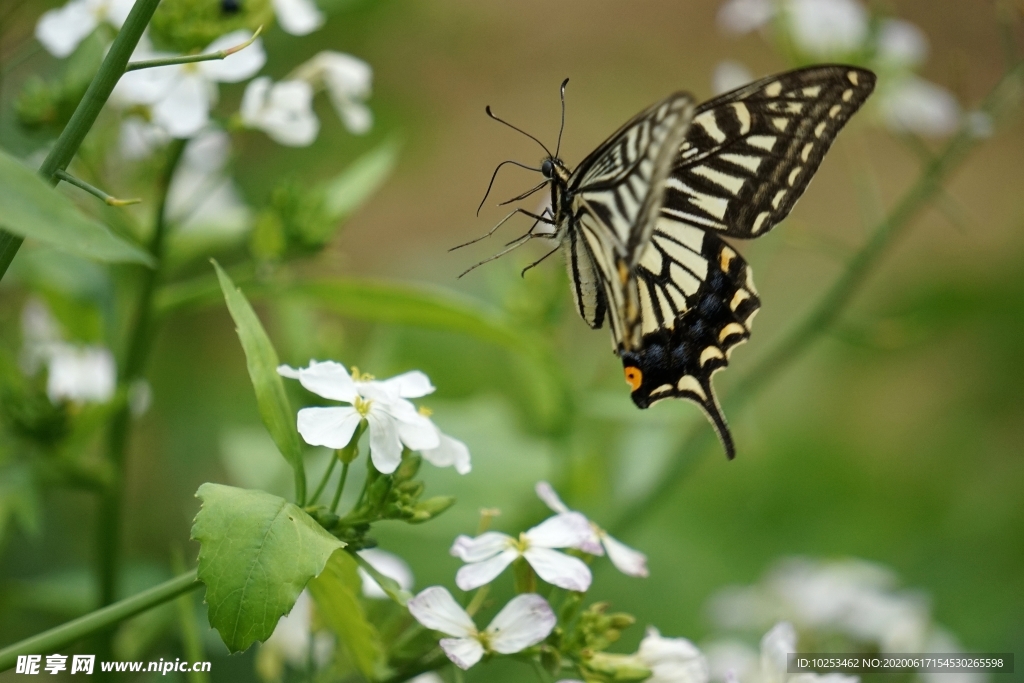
{"type": "Point", "coordinates": [495, 175]}
{"type": "Point", "coordinates": [558, 147]}
{"type": "Point", "coordinates": [491, 114]}
{"type": "Point", "coordinates": [525, 194]}
{"type": "Point", "coordinates": [515, 243]}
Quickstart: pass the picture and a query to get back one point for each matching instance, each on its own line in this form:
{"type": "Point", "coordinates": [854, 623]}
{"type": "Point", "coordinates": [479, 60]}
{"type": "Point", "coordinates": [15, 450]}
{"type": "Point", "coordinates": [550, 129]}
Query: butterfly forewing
{"type": "Point", "coordinates": [749, 154]}
{"type": "Point", "coordinates": [615, 202]}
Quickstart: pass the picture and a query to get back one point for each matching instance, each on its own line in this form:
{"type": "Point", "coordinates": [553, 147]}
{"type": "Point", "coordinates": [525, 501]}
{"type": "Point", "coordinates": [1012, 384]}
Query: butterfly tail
{"type": "Point", "coordinates": [717, 418]}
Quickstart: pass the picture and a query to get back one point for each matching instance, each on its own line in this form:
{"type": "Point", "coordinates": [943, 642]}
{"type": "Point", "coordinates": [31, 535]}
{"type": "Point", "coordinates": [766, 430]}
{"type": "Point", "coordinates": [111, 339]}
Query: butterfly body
{"type": "Point", "coordinates": [641, 221]}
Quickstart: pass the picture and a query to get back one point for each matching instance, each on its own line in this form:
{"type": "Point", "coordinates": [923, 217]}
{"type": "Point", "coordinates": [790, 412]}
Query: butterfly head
{"type": "Point", "coordinates": [552, 168]}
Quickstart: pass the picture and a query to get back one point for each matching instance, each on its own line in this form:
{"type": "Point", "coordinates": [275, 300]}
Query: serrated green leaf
{"type": "Point", "coordinates": [261, 360]}
{"type": "Point", "coordinates": [32, 209]}
{"type": "Point", "coordinates": [357, 183]}
{"type": "Point", "coordinates": [258, 552]}
{"type": "Point", "coordinates": [336, 592]}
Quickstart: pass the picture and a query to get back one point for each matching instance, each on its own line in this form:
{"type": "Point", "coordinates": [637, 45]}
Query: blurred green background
{"type": "Point", "coordinates": [897, 438]}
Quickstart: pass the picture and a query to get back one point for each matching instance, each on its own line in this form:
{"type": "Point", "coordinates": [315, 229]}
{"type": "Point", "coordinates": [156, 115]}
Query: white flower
{"type": "Point", "coordinates": [450, 453]}
{"type": "Point", "coordinates": [901, 44]}
{"type": "Point", "coordinates": [140, 138]}
{"type": "Point", "coordinates": [282, 110]}
{"type": "Point", "coordinates": [202, 197]}
{"type": "Point", "coordinates": [388, 564]}
{"type": "Point", "coordinates": [291, 641]}
{"type": "Point", "coordinates": [298, 17]}
{"type": "Point", "coordinates": [429, 677]}
{"type": "Point", "coordinates": [729, 75]}
{"type": "Point", "coordinates": [915, 105]}
{"type": "Point", "coordinates": [180, 95]}
{"type": "Point", "coordinates": [81, 373]}
{"type": "Point", "coordinates": [490, 553]}
{"type": "Point", "coordinates": [672, 660]}
{"type": "Point", "coordinates": [827, 28]}
{"type": "Point", "coordinates": [60, 30]}
{"type": "Point", "coordinates": [744, 16]}
{"type": "Point", "coordinates": [526, 620]}
{"type": "Point", "coordinates": [625, 559]}
{"type": "Point", "coordinates": [348, 81]}
{"type": "Point", "coordinates": [393, 420]}
{"type": "Point", "coordinates": [776, 645]}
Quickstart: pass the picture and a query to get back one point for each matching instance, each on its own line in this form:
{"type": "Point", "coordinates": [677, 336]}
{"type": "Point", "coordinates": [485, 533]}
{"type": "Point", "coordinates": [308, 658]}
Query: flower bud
{"type": "Point", "coordinates": [430, 508]}
{"type": "Point", "coordinates": [612, 668]}
{"type": "Point", "coordinates": [190, 25]}
{"type": "Point", "coordinates": [409, 467]}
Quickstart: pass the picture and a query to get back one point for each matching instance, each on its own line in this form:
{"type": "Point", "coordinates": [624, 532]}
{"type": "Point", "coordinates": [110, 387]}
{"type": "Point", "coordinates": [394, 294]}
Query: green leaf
{"type": "Point", "coordinates": [336, 592]}
{"type": "Point", "coordinates": [30, 208]}
{"type": "Point", "coordinates": [258, 552]}
{"type": "Point", "coordinates": [357, 183]}
{"type": "Point", "coordinates": [261, 359]}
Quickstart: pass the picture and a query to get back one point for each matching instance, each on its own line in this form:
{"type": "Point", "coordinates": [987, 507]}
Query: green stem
{"type": "Point", "coordinates": [191, 641]}
{"type": "Point", "coordinates": [65, 635]}
{"type": "Point", "coordinates": [828, 308]}
{"type": "Point", "coordinates": [387, 584]}
{"type": "Point", "coordinates": [110, 71]}
{"type": "Point", "coordinates": [323, 482]}
{"type": "Point", "coordinates": [139, 341]}
{"type": "Point", "coordinates": [95, 191]}
{"type": "Point", "coordinates": [341, 487]}
{"type": "Point", "coordinates": [191, 59]}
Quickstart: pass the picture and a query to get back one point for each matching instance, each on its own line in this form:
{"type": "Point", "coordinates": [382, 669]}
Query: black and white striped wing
{"type": "Point", "coordinates": [697, 302]}
{"type": "Point", "coordinates": [749, 154]}
{"type": "Point", "coordinates": [617, 194]}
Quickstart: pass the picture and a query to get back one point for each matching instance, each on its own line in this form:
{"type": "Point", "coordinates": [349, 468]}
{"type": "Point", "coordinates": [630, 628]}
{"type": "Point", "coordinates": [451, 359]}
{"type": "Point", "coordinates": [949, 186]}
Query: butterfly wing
{"type": "Point", "coordinates": [750, 153]}
{"type": "Point", "coordinates": [747, 157]}
{"type": "Point", "coordinates": [697, 302]}
{"type": "Point", "coordinates": [617, 194]}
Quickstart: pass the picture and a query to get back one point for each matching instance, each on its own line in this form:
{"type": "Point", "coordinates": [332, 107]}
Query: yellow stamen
{"type": "Point", "coordinates": [362, 405]}
{"type": "Point", "coordinates": [425, 411]}
{"type": "Point", "coordinates": [361, 376]}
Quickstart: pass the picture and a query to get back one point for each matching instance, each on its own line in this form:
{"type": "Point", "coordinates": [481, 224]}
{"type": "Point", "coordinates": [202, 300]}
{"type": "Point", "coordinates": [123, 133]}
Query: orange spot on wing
{"type": "Point", "coordinates": [634, 378]}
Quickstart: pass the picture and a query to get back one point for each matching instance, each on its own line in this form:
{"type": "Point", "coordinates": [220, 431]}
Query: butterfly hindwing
{"type": "Point", "coordinates": [701, 296]}
{"type": "Point", "coordinates": [749, 154]}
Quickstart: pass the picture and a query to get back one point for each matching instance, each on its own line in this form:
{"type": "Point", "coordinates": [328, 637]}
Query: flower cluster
{"type": "Point", "coordinates": [853, 600]}
{"type": "Point", "coordinates": [176, 100]}
{"type": "Point", "coordinates": [844, 30]}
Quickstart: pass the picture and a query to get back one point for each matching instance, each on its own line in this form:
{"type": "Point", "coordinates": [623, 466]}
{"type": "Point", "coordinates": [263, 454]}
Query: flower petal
{"type": "Point", "coordinates": [901, 44]}
{"type": "Point", "coordinates": [672, 660]}
{"type": "Point", "coordinates": [416, 431]}
{"type": "Point", "coordinates": [236, 67]}
{"type": "Point", "coordinates": [329, 380]}
{"type": "Point", "coordinates": [464, 652]}
{"type": "Point", "coordinates": [288, 371]}
{"type": "Point", "coordinates": [526, 620]}
{"type": "Point", "coordinates": [436, 609]}
{"type": "Point", "coordinates": [626, 560]}
{"type": "Point", "coordinates": [918, 106]}
{"type": "Point", "coordinates": [477, 574]}
{"type": "Point", "coordinates": [388, 564]}
{"type": "Point", "coordinates": [118, 10]}
{"type": "Point", "coordinates": [729, 75]}
{"type": "Point", "coordinates": [356, 116]}
{"type": "Point", "coordinates": [546, 492]}
{"type": "Point", "coordinates": [84, 374]}
{"type": "Point", "coordinates": [61, 30]}
{"type": "Point", "coordinates": [298, 17]}
{"type": "Point", "coordinates": [565, 530]}
{"type": "Point", "coordinates": [283, 110]}
{"type": "Point", "coordinates": [483, 547]}
{"type": "Point", "coordinates": [824, 28]}
{"type": "Point", "coordinates": [450, 452]}
{"type": "Point", "coordinates": [185, 109]}
{"type": "Point", "coordinates": [775, 645]}
{"type": "Point", "coordinates": [412, 384]}
{"type": "Point", "coordinates": [331, 427]}
{"type": "Point", "coordinates": [559, 569]}
{"type": "Point", "coordinates": [385, 445]}
{"type": "Point", "coordinates": [744, 16]}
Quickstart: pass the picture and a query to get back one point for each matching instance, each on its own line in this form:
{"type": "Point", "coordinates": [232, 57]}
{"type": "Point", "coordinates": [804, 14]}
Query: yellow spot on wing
{"type": "Point", "coordinates": [725, 258]}
{"type": "Point", "coordinates": [731, 329]}
{"type": "Point", "coordinates": [709, 353]}
{"type": "Point", "coordinates": [739, 297]}
{"type": "Point", "coordinates": [690, 383]}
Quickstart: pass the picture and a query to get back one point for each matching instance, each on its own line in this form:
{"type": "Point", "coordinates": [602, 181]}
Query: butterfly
{"type": "Point", "coordinates": [641, 221]}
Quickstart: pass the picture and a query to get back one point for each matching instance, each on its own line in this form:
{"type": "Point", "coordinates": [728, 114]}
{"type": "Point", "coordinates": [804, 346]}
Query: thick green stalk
{"type": "Point", "coordinates": [109, 522]}
{"type": "Point", "coordinates": [110, 71]}
{"type": "Point", "coordinates": [829, 307]}
{"type": "Point", "coordinates": [65, 635]}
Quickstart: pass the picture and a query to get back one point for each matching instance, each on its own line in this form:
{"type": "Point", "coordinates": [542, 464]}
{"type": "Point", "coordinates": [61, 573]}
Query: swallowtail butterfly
{"type": "Point", "coordinates": [641, 221]}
